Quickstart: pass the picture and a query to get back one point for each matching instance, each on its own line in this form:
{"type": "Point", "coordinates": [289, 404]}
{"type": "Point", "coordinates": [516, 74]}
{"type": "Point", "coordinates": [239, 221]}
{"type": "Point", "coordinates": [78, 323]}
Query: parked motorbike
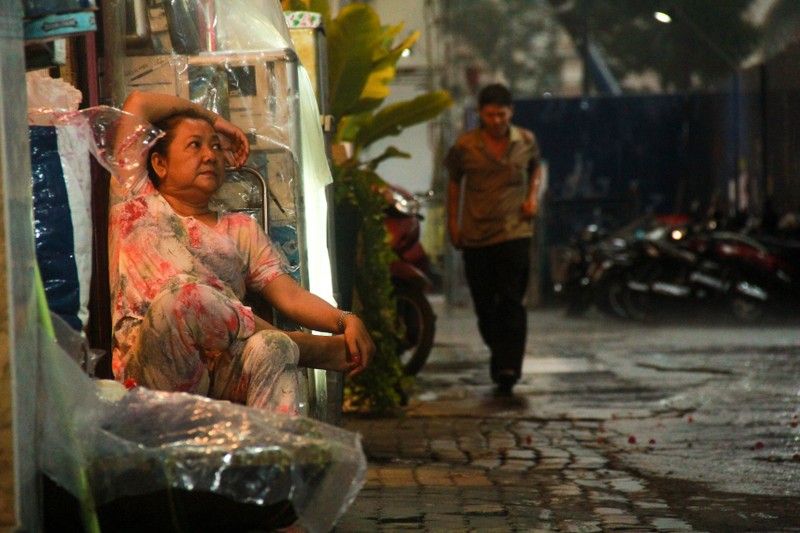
{"type": "Point", "coordinates": [769, 270]}
{"type": "Point", "coordinates": [592, 270]}
{"type": "Point", "coordinates": [670, 264]}
{"type": "Point", "coordinates": [572, 272]}
{"type": "Point", "coordinates": [411, 277]}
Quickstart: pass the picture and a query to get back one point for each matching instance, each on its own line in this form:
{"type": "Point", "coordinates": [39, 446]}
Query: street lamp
{"type": "Point", "coordinates": [665, 17]}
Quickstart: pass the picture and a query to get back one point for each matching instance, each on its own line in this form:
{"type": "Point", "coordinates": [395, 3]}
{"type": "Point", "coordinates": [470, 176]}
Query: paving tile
{"type": "Point", "coordinates": [396, 477]}
{"type": "Point", "coordinates": [433, 477]}
{"type": "Point", "coordinates": [471, 479]}
{"type": "Point", "coordinates": [521, 455]}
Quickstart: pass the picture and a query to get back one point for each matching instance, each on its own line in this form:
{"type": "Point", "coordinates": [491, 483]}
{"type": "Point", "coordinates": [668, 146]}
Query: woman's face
{"type": "Point", "coordinates": [194, 165]}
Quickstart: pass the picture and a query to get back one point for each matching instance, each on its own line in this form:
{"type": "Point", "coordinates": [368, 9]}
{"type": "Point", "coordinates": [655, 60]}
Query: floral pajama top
{"type": "Point", "coordinates": [150, 247]}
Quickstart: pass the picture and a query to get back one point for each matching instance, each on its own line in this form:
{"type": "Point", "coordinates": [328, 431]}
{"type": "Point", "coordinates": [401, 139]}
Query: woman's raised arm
{"type": "Point", "coordinates": [154, 107]}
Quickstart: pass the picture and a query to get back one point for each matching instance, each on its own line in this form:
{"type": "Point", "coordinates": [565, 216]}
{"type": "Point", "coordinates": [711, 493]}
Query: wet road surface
{"type": "Point", "coordinates": [615, 426]}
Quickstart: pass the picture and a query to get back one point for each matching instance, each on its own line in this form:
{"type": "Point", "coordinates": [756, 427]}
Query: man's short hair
{"type": "Point", "coordinates": [497, 94]}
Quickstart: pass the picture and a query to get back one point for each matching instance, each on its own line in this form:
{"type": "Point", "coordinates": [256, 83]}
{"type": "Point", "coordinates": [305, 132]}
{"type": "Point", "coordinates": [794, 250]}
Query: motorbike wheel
{"type": "Point", "coordinates": [611, 298]}
{"type": "Point", "coordinates": [742, 307]}
{"type": "Point", "coordinates": [578, 301]}
{"type": "Point", "coordinates": [747, 310]}
{"type": "Point", "coordinates": [639, 305]}
{"type": "Point", "coordinates": [418, 324]}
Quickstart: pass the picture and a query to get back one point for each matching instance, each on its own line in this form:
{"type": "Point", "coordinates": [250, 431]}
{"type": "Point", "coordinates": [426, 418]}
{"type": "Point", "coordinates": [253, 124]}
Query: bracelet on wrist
{"type": "Point", "coordinates": [340, 322]}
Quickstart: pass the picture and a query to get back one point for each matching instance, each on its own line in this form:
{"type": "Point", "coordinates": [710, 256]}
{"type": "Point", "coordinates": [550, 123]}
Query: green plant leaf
{"type": "Point", "coordinates": [362, 63]}
{"type": "Point", "coordinates": [348, 127]}
{"type": "Point", "coordinates": [352, 38]}
{"type": "Point", "coordinates": [393, 118]}
{"type": "Point", "coordinates": [383, 73]}
{"type": "Point", "coordinates": [393, 55]}
{"type": "Point", "coordinates": [389, 33]}
{"type": "Point", "coordinates": [390, 153]}
{"type": "Point", "coordinates": [375, 91]}
{"type": "Point", "coordinates": [377, 86]}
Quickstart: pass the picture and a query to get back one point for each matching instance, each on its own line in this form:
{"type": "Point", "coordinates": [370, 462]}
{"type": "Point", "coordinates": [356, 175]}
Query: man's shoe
{"type": "Point", "coordinates": [505, 383]}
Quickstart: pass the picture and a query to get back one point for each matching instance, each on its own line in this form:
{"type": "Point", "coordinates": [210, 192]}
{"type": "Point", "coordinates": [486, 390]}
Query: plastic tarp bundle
{"type": "Point", "coordinates": [61, 198]}
{"type": "Point", "coordinates": [120, 142]}
{"type": "Point", "coordinates": [107, 447]}
{"type": "Point", "coordinates": [53, 227]}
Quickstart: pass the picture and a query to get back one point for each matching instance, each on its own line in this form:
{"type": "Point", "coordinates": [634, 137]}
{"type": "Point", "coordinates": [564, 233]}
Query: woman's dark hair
{"type": "Point", "coordinates": [168, 126]}
{"type": "Point", "coordinates": [497, 94]}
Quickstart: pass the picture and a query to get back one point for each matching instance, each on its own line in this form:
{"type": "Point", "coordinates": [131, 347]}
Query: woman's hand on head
{"type": "Point", "coordinates": [234, 142]}
{"type": "Point", "coordinates": [359, 347]}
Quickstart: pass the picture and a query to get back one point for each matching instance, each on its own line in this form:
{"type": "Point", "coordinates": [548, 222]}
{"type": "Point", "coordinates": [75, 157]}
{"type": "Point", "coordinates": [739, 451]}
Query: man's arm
{"type": "Point", "coordinates": [530, 208]}
{"type": "Point", "coordinates": [453, 203]}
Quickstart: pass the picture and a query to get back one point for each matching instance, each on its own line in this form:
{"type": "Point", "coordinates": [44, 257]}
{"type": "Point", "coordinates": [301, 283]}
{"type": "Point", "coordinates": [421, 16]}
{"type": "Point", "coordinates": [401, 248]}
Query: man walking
{"type": "Point", "coordinates": [498, 166]}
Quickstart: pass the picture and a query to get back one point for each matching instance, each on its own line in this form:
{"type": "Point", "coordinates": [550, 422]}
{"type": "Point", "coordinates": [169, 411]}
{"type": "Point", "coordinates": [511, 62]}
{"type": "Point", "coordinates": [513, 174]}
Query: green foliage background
{"type": "Point", "coordinates": [362, 59]}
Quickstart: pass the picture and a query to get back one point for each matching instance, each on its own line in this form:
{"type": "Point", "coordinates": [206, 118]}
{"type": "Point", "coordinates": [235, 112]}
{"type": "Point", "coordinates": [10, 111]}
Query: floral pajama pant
{"type": "Point", "coordinates": [191, 340]}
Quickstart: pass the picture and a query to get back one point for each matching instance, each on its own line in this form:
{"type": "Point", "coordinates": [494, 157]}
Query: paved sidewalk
{"type": "Point", "coordinates": [486, 474]}
{"type": "Point", "coordinates": [581, 446]}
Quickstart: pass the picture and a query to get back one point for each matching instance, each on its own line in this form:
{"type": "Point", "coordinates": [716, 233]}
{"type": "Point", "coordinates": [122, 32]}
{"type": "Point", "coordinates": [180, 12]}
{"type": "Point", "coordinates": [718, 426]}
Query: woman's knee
{"type": "Point", "coordinates": [272, 347]}
{"type": "Point", "coordinates": [191, 300]}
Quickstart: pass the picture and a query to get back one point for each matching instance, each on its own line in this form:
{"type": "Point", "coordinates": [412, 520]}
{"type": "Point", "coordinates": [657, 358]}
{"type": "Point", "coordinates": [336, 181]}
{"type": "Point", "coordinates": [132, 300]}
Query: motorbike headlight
{"type": "Point", "coordinates": [405, 205]}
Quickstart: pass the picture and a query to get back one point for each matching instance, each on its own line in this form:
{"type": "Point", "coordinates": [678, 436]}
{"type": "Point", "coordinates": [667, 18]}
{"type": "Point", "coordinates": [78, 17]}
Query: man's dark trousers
{"type": "Point", "coordinates": [497, 276]}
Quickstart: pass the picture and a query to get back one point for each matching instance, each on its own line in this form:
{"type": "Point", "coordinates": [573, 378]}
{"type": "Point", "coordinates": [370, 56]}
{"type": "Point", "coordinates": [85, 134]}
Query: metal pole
{"type": "Point", "coordinates": [585, 47]}
{"type": "Point", "coordinates": [18, 319]}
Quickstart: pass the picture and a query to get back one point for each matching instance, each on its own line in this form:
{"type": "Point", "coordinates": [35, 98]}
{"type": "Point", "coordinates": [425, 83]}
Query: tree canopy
{"type": "Point", "coordinates": [702, 45]}
{"type": "Point", "coordinates": [515, 38]}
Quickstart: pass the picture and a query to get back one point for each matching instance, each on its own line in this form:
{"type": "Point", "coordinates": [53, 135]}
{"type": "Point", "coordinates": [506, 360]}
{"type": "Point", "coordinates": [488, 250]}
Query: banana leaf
{"type": "Point", "coordinates": [393, 55]}
{"type": "Point", "coordinates": [393, 118]}
{"type": "Point", "coordinates": [389, 33]}
{"type": "Point", "coordinates": [383, 73]}
{"type": "Point", "coordinates": [391, 152]}
{"type": "Point", "coordinates": [352, 38]}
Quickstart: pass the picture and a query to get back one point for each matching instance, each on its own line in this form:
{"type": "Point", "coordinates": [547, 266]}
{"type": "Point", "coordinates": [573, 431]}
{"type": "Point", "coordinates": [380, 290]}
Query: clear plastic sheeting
{"type": "Point", "coordinates": [237, 58]}
{"type": "Point", "coordinates": [192, 27]}
{"type": "Point", "coordinates": [146, 442]}
{"type": "Point", "coordinates": [119, 141]}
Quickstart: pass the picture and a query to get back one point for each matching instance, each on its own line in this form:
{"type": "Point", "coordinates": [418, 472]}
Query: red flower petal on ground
{"type": "Point", "coordinates": [528, 439]}
{"type": "Point", "coordinates": [758, 445]}
{"type": "Point", "coordinates": [652, 442]}
{"type": "Point", "coordinates": [631, 440]}
{"type": "Point", "coordinates": [690, 419]}
{"type": "Point", "coordinates": [130, 383]}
